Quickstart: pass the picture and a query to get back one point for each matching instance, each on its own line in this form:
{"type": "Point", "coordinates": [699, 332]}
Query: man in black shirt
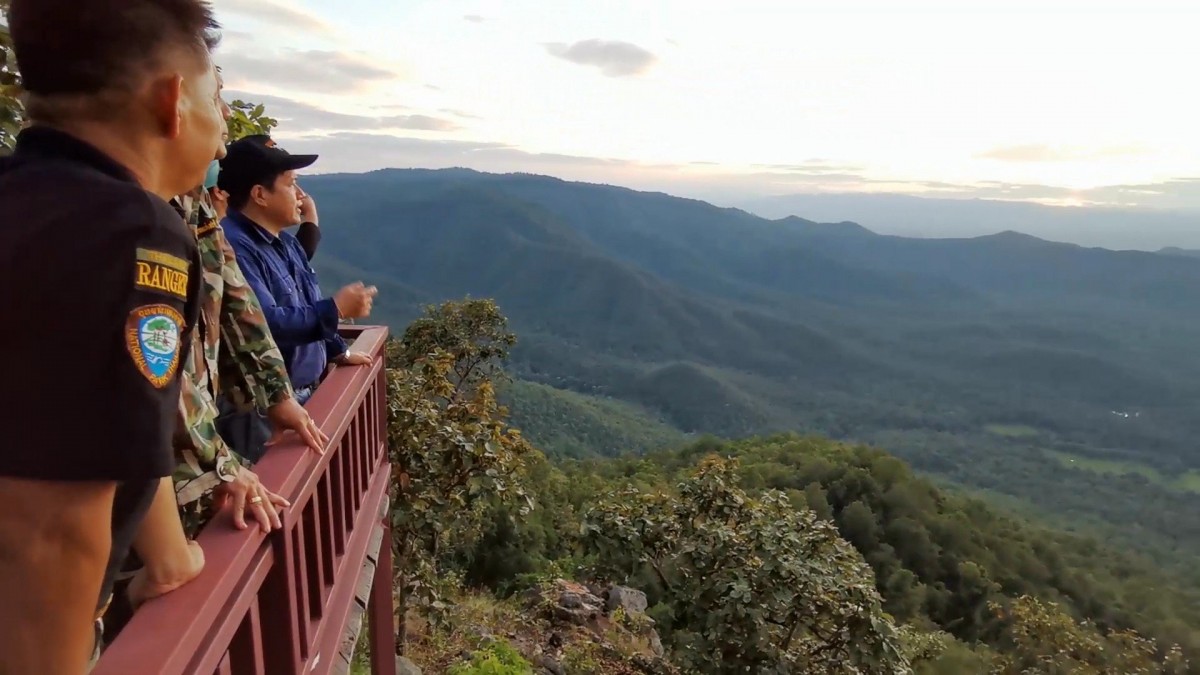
{"type": "Point", "coordinates": [100, 277]}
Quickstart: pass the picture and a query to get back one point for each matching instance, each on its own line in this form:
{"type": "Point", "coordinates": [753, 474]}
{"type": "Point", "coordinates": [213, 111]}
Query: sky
{"type": "Point", "coordinates": [1064, 103]}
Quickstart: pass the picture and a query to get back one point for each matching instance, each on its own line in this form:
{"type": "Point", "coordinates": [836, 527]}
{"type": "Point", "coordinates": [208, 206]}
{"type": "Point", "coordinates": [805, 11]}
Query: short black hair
{"type": "Point", "coordinates": [239, 194]}
{"type": "Point", "coordinates": [68, 47]}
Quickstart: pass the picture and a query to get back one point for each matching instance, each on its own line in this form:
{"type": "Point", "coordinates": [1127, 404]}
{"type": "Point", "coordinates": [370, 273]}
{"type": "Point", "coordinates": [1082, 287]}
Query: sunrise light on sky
{"type": "Point", "coordinates": [1060, 102]}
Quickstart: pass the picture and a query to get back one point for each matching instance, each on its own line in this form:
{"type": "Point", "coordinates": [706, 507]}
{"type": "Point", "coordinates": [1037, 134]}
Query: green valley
{"type": "Point", "coordinates": [647, 321]}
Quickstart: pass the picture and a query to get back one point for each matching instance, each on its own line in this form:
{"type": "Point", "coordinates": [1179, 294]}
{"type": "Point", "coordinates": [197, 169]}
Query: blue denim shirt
{"type": "Point", "coordinates": [303, 323]}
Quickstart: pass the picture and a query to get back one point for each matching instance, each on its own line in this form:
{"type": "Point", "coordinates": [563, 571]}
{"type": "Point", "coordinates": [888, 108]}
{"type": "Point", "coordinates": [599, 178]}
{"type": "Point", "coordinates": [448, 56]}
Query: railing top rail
{"type": "Point", "coordinates": [167, 632]}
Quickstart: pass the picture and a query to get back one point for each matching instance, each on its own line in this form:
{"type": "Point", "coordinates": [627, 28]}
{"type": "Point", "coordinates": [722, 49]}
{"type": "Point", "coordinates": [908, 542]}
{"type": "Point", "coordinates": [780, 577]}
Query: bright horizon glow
{"type": "Point", "coordinates": [751, 98]}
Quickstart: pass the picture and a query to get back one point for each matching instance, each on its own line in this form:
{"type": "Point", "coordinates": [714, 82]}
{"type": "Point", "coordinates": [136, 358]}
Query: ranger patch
{"type": "Point", "coordinates": [154, 276]}
{"type": "Point", "coordinates": [152, 336]}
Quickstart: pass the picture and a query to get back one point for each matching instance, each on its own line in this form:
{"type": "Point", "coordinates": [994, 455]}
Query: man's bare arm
{"type": "Point", "coordinates": [169, 560]}
{"type": "Point", "coordinates": [55, 540]}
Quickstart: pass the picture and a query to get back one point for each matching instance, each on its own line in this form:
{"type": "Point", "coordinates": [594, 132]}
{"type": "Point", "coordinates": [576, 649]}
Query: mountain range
{"type": "Point", "coordinates": [1116, 227]}
{"type": "Point", "coordinates": [1002, 363]}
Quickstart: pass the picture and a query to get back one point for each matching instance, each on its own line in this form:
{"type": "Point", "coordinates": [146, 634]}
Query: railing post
{"type": "Point", "coordinates": [381, 608]}
{"type": "Point", "coordinates": [281, 611]}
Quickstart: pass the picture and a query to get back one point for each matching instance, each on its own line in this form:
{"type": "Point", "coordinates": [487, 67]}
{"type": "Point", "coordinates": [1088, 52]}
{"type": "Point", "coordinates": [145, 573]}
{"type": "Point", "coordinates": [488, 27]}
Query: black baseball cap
{"type": "Point", "coordinates": [256, 160]}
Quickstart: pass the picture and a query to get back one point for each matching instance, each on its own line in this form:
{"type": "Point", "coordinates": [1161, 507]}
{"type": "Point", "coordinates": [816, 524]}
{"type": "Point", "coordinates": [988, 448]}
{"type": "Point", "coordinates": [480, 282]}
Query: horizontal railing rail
{"type": "Point", "coordinates": [281, 604]}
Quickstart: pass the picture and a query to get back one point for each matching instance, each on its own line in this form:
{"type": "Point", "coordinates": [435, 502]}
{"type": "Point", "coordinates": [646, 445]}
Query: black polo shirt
{"type": "Point", "coordinates": [99, 284]}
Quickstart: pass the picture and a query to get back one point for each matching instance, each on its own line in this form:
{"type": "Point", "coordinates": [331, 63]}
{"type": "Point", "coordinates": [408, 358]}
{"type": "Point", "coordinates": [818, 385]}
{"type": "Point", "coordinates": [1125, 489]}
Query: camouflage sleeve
{"type": "Point", "coordinates": [202, 459]}
{"type": "Point", "coordinates": [252, 368]}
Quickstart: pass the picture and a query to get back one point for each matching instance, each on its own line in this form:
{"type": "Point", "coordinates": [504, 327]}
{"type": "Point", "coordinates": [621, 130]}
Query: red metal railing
{"type": "Point", "coordinates": [280, 604]}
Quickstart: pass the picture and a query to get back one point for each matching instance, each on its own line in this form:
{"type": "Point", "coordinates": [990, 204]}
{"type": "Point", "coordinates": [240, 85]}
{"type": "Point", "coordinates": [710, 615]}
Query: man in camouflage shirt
{"type": "Point", "coordinates": [230, 339]}
{"type": "Point", "coordinates": [233, 353]}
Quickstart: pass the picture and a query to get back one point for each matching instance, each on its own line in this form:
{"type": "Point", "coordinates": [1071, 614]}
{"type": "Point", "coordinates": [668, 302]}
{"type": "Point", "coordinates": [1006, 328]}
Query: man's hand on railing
{"type": "Point", "coordinates": [165, 576]}
{"type": "Point", "coordinates": [247, 495]}
{"type": "Point", "coordinates": [291, 416]}
{"type": "Point", "coordinates": [353, 359]}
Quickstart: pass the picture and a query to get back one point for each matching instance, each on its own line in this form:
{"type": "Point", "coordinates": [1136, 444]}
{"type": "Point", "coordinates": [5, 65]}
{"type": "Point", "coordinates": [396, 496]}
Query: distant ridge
{"type": "Point", "coordinates": [712, 320]}
{"type": "Point", "coordinates": [1180, 252]}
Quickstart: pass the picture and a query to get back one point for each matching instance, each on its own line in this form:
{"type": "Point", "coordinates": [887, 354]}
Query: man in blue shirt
{"type": "Point", "coordinates": [264, 201]}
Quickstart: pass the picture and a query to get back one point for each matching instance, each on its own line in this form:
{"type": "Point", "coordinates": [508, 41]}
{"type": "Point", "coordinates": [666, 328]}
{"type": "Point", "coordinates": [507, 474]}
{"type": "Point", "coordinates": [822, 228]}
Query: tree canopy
{"type": "Point", "coordinates": [752, 584]}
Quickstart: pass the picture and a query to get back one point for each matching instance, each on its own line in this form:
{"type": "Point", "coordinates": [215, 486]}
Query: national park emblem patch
{"type": "Point", "coordinates": [152, 336]}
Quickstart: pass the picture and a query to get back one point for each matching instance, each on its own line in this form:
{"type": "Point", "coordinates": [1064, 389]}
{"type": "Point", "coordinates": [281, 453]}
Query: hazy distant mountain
{"type": "Point", "coordinates": [1139, 229]}
{"type": "Point", "coordinates": [1185, 252]}
{"type": "Point", "coordinates": [609, 286]}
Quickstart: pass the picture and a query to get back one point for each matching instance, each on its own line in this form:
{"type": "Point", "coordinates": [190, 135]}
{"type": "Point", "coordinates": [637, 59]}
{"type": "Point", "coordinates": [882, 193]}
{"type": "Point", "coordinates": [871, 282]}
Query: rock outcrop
{"type": "Point", "coordinates": [608, 625]}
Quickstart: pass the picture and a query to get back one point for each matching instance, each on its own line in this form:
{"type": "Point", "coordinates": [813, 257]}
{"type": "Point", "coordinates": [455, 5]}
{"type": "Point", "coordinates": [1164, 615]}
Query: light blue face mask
{"type": "Point", "coordinates": [210, 178]}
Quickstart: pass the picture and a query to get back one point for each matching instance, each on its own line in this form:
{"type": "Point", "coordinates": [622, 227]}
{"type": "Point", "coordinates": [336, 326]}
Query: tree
{"type": "Point", "coordinates": [12, 111]}
{"type": "Point", "coordinates": [249, 119]}
{"type": "Point", "coordinates": [1041, 638]}
{"type": "Point", "coordinates": [451, 450]}
{"type": "Point", "coordinates": [859, 526]}
{"type": "Point", "coordinates": [752, 585]}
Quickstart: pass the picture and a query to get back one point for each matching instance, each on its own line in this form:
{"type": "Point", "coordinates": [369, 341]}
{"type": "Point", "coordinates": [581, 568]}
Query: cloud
{"type": "Point", "coordinates": [801, 179]}
{"type": "Point", "coordinates": [423, 122]}
{"type": "Point", "coordinates": [1178, 193]}
{"type": "Point", "coordinates": [312, 70]}
{"type": "Point", "coordinates": [355, 151]}
{"type": "Point", "coordinates": [474, 18]}
{"type": "Point", "coordinates": [299, 117]}
{"type": "Point", "coordinates": [460, 113]}
{"type": "Point", "coordinates": [1037, 152]}
{"type": "Point", "coordinates": [612, 57]}
{"type": "Point", "coordinates": [236, 37]}
{"type": "Point", "coordinates": [813, 167]}
{"type": "Point", "coordinates": [278, 14]}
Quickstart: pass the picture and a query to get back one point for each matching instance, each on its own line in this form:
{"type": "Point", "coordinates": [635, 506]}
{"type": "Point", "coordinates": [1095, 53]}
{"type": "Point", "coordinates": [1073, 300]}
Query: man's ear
{"type": "Point", "coordinates": [167, 104]}
{"type": "Point", "coordinates": [258, 195]}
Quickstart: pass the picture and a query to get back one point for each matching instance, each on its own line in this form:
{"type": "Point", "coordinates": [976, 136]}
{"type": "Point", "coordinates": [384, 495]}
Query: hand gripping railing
{"type": "Point", "coordinates": [280, 604]}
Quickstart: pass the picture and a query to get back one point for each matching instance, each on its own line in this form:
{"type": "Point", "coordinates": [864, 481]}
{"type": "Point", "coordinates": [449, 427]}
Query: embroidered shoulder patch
{"type": "Point", "coordinates": [207, 227]}
{"type": "Point", "coordinates": [152, 336]}
{"type": "Point", "coordinates": [161, 278]}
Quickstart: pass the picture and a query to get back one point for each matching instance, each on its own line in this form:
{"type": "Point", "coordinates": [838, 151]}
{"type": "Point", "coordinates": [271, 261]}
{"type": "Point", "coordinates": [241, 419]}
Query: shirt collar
{"type": "Point", "coordinates": [257, 231]}
{"type": "Point", "coordinates": [44, 142]}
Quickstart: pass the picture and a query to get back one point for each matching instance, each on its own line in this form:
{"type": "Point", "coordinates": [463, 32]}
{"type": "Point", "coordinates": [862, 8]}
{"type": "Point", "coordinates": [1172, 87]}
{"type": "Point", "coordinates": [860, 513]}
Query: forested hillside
{"type": "Point", "coordinates": [938, 558]}
{"type": "Point", "coordinates": [1054, 377]}
{"type": "Point", "coordinates": [785, 553]}
{"type": "Point", "coordinates": [569, 424]}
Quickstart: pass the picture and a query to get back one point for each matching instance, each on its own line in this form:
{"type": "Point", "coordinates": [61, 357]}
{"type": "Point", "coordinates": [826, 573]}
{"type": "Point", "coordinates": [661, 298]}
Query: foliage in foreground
{"type": "Point", "coordinates": [751, 584]}
{"type": "Point", "coordinates": [1041, 638]}
{"type": "Point", "coordinates": [450, 448]}
{"type": "Point", "coordinates": [942, 558]}
{"type": "Point", "coordinates": [499, 658]}
{"type": "Point", "coordinates": [249, 119]}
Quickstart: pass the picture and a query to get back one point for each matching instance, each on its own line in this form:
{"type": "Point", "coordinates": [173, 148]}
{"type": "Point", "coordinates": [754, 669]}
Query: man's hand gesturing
{"type": "Point", "coordinates": [354, 301]}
